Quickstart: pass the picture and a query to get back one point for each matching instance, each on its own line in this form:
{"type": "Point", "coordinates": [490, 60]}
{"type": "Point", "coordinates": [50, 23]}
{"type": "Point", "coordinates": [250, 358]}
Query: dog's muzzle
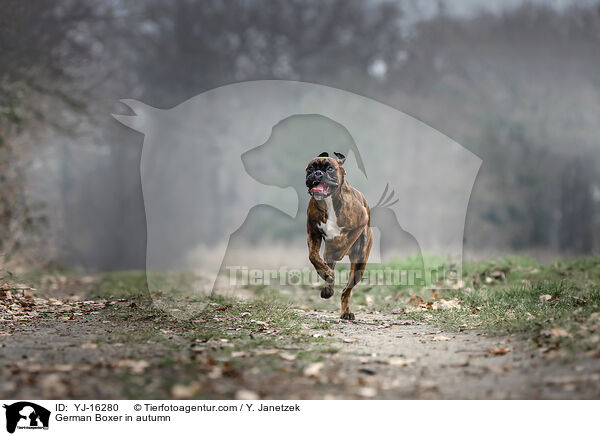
{"type": "Point", "coordinates": [319, 186]}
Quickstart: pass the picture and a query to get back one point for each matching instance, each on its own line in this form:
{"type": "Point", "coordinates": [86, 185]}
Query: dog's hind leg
{"type": "Point", "coordinates": [356, 272]}
{"type": "Point", "coordinates": [359, 253]}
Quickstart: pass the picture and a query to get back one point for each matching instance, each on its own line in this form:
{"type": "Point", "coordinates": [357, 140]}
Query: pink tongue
{"type": "Point", "coordinates": [320, 188]}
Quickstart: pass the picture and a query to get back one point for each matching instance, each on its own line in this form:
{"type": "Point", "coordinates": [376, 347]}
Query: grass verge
{"type": "Point", "coordinates": [557, 305]}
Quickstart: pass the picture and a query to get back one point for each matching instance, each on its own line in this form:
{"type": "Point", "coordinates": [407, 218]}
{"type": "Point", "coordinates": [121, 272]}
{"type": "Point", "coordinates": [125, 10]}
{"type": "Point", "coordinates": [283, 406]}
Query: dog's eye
{"type": "Point", "coordinates": [330, 169]}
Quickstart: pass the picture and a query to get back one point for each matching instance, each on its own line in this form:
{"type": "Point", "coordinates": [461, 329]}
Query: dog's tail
{"type": "Point", "coordinates": [386, 201]}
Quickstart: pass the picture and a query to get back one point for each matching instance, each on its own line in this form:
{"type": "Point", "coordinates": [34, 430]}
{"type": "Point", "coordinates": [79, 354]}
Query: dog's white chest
{"type": "Point", "coordinates": [330, 227]}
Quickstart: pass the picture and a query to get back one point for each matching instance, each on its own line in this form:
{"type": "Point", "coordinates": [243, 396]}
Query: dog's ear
{"type": "Point", "coordinates": [324, 154]}
{"type": "Point", "coordinates": [340, 158]}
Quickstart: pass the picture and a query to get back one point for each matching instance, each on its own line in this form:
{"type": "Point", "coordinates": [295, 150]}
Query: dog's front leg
{"type": "Point", "coordinates": [326, 273]}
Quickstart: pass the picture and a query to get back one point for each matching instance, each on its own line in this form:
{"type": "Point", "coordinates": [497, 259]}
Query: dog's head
{"type": "Point", "coordinates": [325, 175]}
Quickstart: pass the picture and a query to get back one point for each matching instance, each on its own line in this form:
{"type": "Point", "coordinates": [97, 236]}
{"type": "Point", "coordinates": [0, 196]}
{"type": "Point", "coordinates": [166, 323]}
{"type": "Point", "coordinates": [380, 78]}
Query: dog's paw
{"type": "Point", "coordinates": [327, 291]}
{"type": "Point", "coordinates": [347, 315]}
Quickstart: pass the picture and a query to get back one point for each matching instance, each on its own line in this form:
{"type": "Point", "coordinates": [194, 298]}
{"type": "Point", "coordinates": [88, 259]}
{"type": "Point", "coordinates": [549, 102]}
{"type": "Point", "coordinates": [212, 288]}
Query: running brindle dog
{"type": "Point", "coordinates": [340, 215]}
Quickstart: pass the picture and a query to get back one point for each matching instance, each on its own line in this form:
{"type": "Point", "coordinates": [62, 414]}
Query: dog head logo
{"type": "Point", "coordinates": [26, 415]}
{"type": "Point", "coordinates": [224, 184]}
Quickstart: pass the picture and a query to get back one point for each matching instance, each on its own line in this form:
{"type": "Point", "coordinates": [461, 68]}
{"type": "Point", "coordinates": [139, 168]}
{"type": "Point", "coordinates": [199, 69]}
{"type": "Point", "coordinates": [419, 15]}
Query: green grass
{"type": "Point", "coordinates": [262, 322]}
{"type": "Point", "coordinates": [556, 305]}
{"type": "Point", "coordinates": [121, 284]}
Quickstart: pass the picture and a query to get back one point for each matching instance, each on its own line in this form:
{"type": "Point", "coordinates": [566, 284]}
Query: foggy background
{"type": "Point", "coordinates": [515, 82]}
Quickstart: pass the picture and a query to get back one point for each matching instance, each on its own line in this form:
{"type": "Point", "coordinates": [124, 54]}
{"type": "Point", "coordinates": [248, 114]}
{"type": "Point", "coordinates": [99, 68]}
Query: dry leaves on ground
{"type": "Point", "coordinates": [19, 303]}
{"type": "Point", "coordinates": [398, 361]}
{"type": "Point", "coordinates": [246, 395]}
{"type": "Point", "coordinates": [314, 369]}
{"type": "Point", "coordinates": [185, 392]}
{"type": "Point", "coordinates": [287, 356]}
{"type": "Point", "coordinates": [442, 304]}
{"type": "Point", "coordinates": [136, 366]}
{"type": "Point", "coordinates": [558, 332]}
{"type": "Point", "coordinates": [498, 351]}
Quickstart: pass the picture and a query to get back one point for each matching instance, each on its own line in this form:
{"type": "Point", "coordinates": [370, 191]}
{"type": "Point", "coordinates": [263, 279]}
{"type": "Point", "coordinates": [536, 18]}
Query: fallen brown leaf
{"type": "Point", "coordinates": [53, 386]}
{"type": "Point", "coordinates": [244, 394]}
{"type": "Point", "coordinates": [185, 392]}
{"type": "Point", "coordinates": [427, 385]}
{"type": "Point", "coordinates": [136, 366]}
{"type": "Point", "coordinates": [89, 346]}
{"type": "Point", "coordinates": [287, 356]}
{"type": "Point", "coordinates": [267, 351]}
{"type": "Point", "coordinates": [398, 361]}
{"type": "Point", "coordinates": [594, 353]}
{"type": "Point", "coordinates": [314, 369]}
{"type": "Point", "coordinates": [498, 351]}
{"type": "Point", "coordinates": [415, 299]}
{"type": "Point", "coordinates": [367, 392]}
{"type": "Point", "coordinates": [450, 304]}
{"type": "Point", "coordinates": [558, 332]}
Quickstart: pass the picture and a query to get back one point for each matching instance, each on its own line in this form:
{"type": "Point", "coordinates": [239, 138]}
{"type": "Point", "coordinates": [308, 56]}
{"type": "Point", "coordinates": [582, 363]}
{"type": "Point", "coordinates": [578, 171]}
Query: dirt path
{"type": "Point", "coordinates": [385, 357]}
{"type": "Point", "coordinates": [81, 350]}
